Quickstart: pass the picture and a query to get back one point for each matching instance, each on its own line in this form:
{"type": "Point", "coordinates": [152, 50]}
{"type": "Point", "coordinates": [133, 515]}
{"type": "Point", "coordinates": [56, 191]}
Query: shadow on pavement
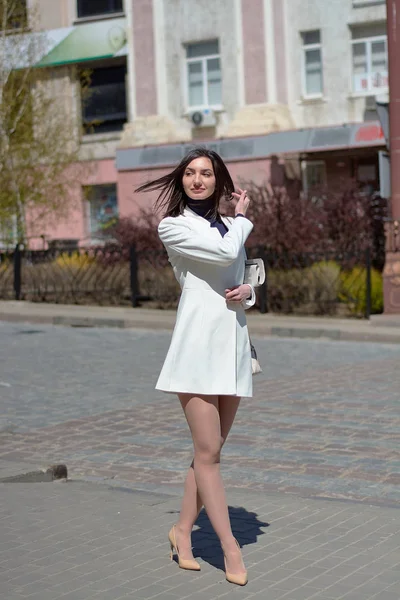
{"type": "Point", "coordinates": [246, 528]}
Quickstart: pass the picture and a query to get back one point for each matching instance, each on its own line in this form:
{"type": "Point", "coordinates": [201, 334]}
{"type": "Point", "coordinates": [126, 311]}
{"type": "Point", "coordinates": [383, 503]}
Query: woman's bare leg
{"type": "Point", "coordinates": [192, 502]}
{"type": "Point", "coordinates": [210, 419]}
{"type": "Point", "coordinates": [190, 509]}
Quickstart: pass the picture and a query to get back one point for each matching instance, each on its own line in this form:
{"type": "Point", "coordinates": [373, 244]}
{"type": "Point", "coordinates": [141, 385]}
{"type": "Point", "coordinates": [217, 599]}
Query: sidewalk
{"type": "Point", "coordinates": [381, 328]}
{"type": "Point", "coordinates": [84, 541]}
{"type": "Point", "coordinates": [311, 468]}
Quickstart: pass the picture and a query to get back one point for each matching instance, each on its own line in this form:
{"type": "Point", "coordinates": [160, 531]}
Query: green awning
{"type": "Point", "coordinates": [85, 41]}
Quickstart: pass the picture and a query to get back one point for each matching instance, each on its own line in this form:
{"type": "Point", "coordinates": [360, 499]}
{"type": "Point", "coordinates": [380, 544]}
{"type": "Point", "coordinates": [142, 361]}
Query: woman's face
{"type": "Point", "coordinates": [199, 179]}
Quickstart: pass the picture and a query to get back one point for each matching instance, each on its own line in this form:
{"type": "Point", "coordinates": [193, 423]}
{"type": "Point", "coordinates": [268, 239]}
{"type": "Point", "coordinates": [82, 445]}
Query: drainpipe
{"type": "Point", "coordinates": [393, 31]}
{"type": "Point", "coordinates": [130, 61]}
{"type": "Point", "coordinates": [391, 273]}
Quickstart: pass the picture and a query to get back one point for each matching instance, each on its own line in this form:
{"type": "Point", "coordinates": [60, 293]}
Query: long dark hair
{"type": "Point", "coordinates": [172, 197]}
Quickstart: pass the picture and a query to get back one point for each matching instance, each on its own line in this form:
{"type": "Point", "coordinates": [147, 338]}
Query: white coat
{"type": "Point", "coordinates": [210, 349]}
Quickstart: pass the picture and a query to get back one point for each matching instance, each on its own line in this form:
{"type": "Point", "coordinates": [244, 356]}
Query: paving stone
{"type": "Point", "coordinates": [307, 445]}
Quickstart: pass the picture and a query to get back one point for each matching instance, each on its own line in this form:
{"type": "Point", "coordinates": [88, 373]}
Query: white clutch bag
{"type": "Point", "coordinates": [254, 273]}
{"type": "Point", "coordinates": [255, 365]}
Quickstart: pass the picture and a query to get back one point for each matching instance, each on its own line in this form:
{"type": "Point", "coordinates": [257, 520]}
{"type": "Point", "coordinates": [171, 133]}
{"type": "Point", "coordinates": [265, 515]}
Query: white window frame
{"type": "Point", "coordinates": [369, 41]}
{"type": "Point", "coordinates": [306, 47]}
{"type": "Point", "coordinates": [366, 3]}
{"type": "Point", "coordinates": [203, 60]}
{"type": "Point", "coordinates": [305, 164]}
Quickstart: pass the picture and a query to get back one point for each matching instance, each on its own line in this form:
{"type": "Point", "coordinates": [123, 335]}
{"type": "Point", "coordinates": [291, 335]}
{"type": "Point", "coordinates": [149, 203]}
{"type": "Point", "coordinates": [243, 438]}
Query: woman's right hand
{"type": "Point", "coordinates": [242, 203]}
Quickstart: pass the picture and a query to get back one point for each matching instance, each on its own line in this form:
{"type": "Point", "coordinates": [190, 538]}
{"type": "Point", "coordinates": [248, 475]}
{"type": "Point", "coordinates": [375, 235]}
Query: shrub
{"type": "Point", "coordinates": [307, 290]}
{"type": "Point", "coordinates": [75, 260]}
{"type": "Point", "coordinates": [353, 290]}
{"type": "Point", "coordinates": [282, 223]}
{"type": "Point", "coordinates": [6, 277]}
{"type": "Point", "coordinates": [93, 284]}
{"type": "Point", "coordinates": [339, 218]}
{"type": "Point", "coordinates": [287, 290]}
{"type": "Point", "coordinates": [140, 231]}
{"type": "Point", "coordinates": [324, 285]}
{"type": "Point", "coordinates": [160, 284]}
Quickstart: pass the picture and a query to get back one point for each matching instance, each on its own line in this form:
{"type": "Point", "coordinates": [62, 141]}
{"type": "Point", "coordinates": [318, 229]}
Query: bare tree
{"type": "Point", "coordinates": [39, 128]}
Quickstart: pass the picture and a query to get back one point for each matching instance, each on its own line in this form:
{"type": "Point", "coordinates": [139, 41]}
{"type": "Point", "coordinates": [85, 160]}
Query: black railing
{"type": "Point", "coordinates": [318, 283]}
{"type": "Point", "coordinates": [313, 283]}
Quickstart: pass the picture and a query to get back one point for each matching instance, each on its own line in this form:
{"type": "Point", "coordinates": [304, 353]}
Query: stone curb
{"type": "Point", "coordinates": [52, 473]}
{"type": "Point", "coordinates": [167, 324]}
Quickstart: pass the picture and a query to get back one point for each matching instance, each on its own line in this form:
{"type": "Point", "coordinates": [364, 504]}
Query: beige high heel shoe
{"type": "Point", "coordinates": [238, 579]}
{"type": "Point", "coordinates": [189, 564]}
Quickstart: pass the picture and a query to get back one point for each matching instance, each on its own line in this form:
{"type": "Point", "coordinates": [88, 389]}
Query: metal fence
{"type": "Point", "coordinates": [313, 283]}
{"type": "Point", "coordinates": [91, 275]}
{"type": "Point", "coordinates": [319, 283]}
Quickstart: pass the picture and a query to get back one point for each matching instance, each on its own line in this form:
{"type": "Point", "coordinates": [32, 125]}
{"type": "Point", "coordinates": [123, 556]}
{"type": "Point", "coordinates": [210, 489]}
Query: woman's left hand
{"type": "Point", "coordinates": [238, 293]}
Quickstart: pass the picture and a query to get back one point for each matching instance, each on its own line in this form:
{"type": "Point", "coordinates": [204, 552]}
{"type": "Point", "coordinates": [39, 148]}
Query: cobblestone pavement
{"type": "Point", "coordinates": [324, 420]}
{"type": "Point", "coordinates": [84, 541]}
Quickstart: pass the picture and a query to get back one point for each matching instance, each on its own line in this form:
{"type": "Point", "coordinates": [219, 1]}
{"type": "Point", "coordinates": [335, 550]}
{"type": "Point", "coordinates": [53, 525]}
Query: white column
{"type": "Point", "coordinates": [239, 52]}
{"type": "Point", "coordinates": [269, 33]}
{"type": "Point", "coordinates": [160, 57]}
{"type": "Point", "coordinates": [130, 61]}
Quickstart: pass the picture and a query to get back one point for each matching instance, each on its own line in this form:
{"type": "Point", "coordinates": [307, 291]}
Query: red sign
{"type": "Point", "coordinates": [370, 132]}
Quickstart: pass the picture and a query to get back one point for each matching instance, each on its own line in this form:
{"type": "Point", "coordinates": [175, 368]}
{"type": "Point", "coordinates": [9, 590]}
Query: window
{"type": "Point", "coordinates": [93, 8]}
{"type": "Point", "coordinates": [370, 62]}
{"type": "Point", "coordinates": [104, 109]}
{"type": "Point", "coordinates": [103, 209]}
{"type": "Point", "coordinates": [312, 64]}
{"type": "Point", "coordinates": [204, 74]}
{"type": "Point", "coordinates": [313, 175]}
{"type": "Point", "coordinates": [13, 14]}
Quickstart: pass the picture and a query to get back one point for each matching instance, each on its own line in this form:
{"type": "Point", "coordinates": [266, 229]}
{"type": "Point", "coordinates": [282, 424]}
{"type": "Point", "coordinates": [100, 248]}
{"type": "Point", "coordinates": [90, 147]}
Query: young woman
{"type": "Point", "coordinates": [208, 364]}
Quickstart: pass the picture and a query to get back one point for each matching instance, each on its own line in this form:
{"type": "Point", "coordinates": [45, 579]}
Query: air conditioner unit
{"type": "Point", "coordinates": [370, 103]}
{"type": "Point", "coordinates": [204, 117]}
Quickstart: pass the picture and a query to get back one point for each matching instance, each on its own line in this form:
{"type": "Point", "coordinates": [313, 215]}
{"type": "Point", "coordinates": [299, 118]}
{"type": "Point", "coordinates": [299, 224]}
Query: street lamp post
{"type": "Point", "coordinates": [391, 275]}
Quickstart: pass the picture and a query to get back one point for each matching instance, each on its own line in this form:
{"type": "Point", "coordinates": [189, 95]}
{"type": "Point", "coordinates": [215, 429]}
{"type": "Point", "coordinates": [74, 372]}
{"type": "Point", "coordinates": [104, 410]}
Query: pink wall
{"type": "Point", "coordinates": [101, 171]}
{"type": "Point", "coordinates": [129, 201]}
{"type": "Point", "coordinates": [254, 51]}
{"type": "Point", "coordinates": [143, 41]}
{"type": "Point", "coordinates": [73, 223]}
{"type": "Point", "coordinates": [280, 50]}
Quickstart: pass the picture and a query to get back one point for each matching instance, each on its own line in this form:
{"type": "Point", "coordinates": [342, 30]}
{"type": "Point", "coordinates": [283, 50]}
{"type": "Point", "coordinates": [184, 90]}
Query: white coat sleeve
{"type": "Point", "coordinates": [177, 236]}
{"type": "Point", "coordinates": [249, 302]}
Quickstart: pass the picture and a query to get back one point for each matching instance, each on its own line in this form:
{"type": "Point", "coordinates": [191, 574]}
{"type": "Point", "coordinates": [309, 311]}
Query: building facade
{"type": "Point", "coordinates": [282, 89]}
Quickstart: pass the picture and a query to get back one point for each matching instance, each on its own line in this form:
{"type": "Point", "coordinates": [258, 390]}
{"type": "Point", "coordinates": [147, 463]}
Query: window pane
{"type": "Point", "coordinates": [195, 77]}
{"type": "Point", "coordinates": [315, 175]}
{"type": "Point", "coordinates": [105, 108]}
{"type": "Point", "coordinates": [311, 37]}
{"type": "Point", "coordinates": [214, 81]}
{"type": "Point", "coordinates": [202, 49]}
{"type": "Point", "coordinates": [89, 8]}
{"type": "Point", "coordinates": [360, 58]}
{"type": "Point", "coordinates": [379, 58]}
{"type": "Point", "coordinates": [313, 72]}
{"type": "Point", "coordinates": [379, 73]}
{"type": "Point", "coordinates": [103, 208]}
{"type": "Point", "coordinates": [360, 67]}
{"type": "Point", "coordinates": [14, 14]}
